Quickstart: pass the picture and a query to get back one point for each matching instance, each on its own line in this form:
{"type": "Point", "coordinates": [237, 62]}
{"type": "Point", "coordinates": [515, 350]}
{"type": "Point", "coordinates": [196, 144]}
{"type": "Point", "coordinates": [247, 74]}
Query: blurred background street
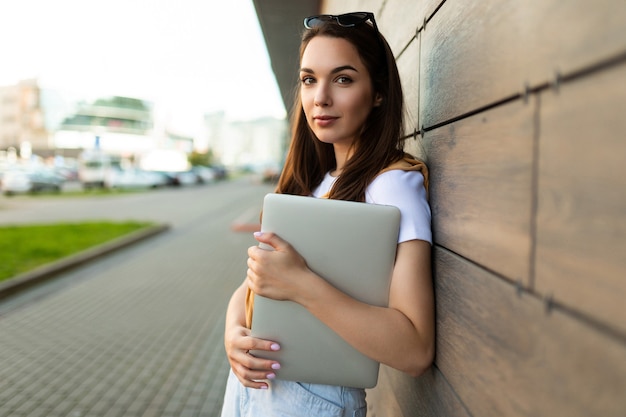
{"type": "Point", "coordinates": [133, 95]}
{"type": "Point", "coordinates": [120, 111]}
{"type": "Point", "coordinates": [138, 332]}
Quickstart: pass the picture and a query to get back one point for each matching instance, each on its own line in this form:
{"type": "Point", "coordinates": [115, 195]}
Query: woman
{"type": "Point", "coordinates": [346, 144]}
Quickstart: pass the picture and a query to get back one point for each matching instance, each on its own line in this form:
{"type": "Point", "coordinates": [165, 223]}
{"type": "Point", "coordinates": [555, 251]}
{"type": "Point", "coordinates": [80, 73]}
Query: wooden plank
{"type": "Point", "coordinates": [581, 222]}
{"type": "Point", "coordinates": [398, 394]}
{"type": "Point", "coordinates": [347, 6]}
{"type": "Point", "coordinates": [399, 21]}
{"type": "Point", "coordinates": [505, 355]}
{"type": "Point", "coordinates": [481, 184]}
{"type": "Point", "coordinates": [415, 147]}
{"type": "Point", "coordinates": [408, 67]}
{"type": "Point", "coordinates": [478, 53]}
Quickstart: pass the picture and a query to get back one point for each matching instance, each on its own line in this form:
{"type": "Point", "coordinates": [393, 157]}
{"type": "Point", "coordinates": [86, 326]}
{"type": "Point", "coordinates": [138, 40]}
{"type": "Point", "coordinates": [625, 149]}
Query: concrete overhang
{"type": "Point", "coordinates": [281, 24]}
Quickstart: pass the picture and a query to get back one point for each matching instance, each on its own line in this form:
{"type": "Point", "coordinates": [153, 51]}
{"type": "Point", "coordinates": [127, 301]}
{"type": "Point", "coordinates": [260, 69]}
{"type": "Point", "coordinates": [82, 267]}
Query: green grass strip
{"type": "Point", "coordinates": [23, 248]}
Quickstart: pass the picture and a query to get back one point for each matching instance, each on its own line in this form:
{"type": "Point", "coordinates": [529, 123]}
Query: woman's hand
{"type": "Point", "coordinates": [238, 342]}
{"type": "Point", "coordinates": [248, 369]}
{"type": "Point", "coordinates": [279, 274]}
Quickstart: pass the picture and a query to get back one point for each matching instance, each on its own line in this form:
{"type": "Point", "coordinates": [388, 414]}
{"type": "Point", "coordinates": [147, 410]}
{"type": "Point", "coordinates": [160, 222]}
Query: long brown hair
{"type": "Point", "coordinates": [379, 143]}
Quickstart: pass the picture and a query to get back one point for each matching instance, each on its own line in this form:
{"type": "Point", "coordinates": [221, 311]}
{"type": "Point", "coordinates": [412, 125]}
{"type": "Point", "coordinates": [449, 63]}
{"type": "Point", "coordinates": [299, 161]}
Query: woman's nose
{"type": "Point", "coordinates": [322, 96]}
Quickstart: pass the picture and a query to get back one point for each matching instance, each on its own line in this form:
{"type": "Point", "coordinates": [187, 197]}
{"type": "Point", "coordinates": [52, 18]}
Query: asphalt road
{"type": "Point", "coordinates": [139, 331]}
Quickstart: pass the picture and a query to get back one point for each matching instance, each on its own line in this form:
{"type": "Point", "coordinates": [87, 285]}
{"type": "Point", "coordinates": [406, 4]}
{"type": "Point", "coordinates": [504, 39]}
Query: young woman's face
{"type": "Point", "coordinates": [336, 90]}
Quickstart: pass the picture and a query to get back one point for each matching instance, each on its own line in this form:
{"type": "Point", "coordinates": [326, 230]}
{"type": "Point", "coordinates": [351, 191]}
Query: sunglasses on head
{"type": "Point", "coordinates": [347, 20]}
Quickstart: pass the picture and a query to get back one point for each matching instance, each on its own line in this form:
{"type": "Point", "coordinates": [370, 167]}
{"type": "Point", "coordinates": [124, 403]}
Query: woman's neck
{"type": "Point", "coordinates": [342, 155]}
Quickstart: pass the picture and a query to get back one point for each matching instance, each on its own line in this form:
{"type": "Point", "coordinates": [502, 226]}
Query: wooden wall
{"type": "Point", "coordinates": [520, 110]}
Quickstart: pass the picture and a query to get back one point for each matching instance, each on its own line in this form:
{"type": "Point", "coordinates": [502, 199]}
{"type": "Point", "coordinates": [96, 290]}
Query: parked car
{"type": "Point", "coordinates": [133, 178]}
{"type": "Point", "coordinates": [93, 166]}
{"type": "Point", "coordinates": [67, 173]}
{"type": "Point", "coordinates": [179, 178]}
{"type": "Point", "coordinates": [220, 172]}
{"type": "Point", "coordinates": [204, 175]}
{"type": "Point", "coordinates": [271, 173]}
{"type": "Point", "coordinates": [29, 180]}
{"type": "Point", "coordinates": [186, 177]}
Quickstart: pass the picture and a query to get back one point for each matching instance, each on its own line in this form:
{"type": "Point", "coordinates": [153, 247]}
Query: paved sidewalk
{"type": "Point", "coordinates": [136, 333]}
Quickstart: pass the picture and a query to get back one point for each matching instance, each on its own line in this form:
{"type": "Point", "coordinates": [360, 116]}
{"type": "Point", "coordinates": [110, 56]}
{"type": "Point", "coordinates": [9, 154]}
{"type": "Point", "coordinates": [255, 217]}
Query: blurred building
{"type": "Point", "coordinates": [22, 120]}
{"type": "Point", "coordinates": [117, 125]}
{"type": "Point", "coordinates": [115, 114]}
{"type": "Point", "coordinates": [247, 143]}
{"type": "Point", "coordinates": [43, 122]}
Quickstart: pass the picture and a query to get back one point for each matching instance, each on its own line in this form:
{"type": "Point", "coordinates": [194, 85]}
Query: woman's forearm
{"type": "Point", "coordinates": [402, 335]}
{"type": "Point", "coordinates": [235, 313]}
{"type": "Point", "coordinates": [383, 334]}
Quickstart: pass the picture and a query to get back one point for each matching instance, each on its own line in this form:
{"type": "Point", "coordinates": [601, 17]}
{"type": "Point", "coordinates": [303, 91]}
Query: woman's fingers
{"type": "Point", "coordinates": [270, 239]}
{"type": "Point", "coordinates": [252, 371]}
{"type": "Point", "coordinates": [249, 369]}
{"type": "Point", "coordinates": [248, 377]}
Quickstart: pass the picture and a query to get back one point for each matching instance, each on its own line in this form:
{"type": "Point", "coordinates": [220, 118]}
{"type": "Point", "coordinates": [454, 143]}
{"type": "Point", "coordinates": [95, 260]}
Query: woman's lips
{"type": "Point", "coordinates": [324, 121]}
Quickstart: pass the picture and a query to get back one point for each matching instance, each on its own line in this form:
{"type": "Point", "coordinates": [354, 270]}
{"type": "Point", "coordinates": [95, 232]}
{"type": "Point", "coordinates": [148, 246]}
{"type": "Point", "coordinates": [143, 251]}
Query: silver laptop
{"type": "Point", "coordinates": [352, 245]}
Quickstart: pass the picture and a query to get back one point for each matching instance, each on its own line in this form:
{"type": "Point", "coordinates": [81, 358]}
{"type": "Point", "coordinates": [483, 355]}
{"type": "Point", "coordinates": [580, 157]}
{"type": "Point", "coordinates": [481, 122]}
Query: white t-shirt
{"type": "Point", "coordinates": [403, 189]}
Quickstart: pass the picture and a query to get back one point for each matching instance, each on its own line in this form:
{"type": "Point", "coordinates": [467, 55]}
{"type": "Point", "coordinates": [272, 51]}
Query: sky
{"type": "Point", "coordinates": [188, 57]}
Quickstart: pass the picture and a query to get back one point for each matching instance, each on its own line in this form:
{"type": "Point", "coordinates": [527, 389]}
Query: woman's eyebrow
{"type": "Point", "coordinates": [343, 68]}
{"type": "Point", "coordinates": [334, 71]}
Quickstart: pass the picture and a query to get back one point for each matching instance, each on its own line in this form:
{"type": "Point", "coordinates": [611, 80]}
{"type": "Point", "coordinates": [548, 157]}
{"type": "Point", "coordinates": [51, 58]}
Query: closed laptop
{"type": "Point", "coordinates": [352, 245]}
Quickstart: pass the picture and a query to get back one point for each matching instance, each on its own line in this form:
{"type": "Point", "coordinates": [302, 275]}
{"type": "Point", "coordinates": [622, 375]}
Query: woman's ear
{"type": "Point", "coordinates": [378, 99]}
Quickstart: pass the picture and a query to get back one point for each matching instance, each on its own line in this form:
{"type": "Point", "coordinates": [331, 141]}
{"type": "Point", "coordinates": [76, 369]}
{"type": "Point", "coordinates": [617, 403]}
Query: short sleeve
{"type": "Point", "coordinates": [405, 190]}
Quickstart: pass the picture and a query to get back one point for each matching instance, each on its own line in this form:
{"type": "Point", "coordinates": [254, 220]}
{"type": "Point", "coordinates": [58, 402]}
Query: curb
{"type": "Point", "coordinates": [30, 278]}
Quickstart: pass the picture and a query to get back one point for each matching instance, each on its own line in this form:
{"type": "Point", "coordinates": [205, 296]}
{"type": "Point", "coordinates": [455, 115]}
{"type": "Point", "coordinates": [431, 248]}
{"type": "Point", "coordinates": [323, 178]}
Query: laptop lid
{"type": "Point", "coordinates": [352, 245]}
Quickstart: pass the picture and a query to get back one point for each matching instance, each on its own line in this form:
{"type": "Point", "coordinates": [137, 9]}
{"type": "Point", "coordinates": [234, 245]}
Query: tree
{"type": "Point", "coordinates": [204, 159]}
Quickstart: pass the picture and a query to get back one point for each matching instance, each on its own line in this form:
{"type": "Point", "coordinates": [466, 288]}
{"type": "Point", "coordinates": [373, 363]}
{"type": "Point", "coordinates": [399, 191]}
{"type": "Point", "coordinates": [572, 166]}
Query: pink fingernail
{"type": "Point", "coordinates": [271, 376]}
{"type": "Point", "coordinates": [275, 346]}
{"type": "Point", "coordinates": [276, 366]}
{"type": "Point", "coordinates": [263, 387]}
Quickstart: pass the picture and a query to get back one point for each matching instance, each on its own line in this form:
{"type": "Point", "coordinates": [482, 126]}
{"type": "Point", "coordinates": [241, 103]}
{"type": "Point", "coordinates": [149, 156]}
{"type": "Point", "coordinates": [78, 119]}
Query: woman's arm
{"type": "Point", "coordinates": [401, 335]}
{"type": "Point", "coordinates": [238, 341]}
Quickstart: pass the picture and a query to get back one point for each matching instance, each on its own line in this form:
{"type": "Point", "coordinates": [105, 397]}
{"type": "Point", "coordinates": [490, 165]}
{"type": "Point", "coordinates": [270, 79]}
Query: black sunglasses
{"type": "Point", "coordinates": [347, 20]}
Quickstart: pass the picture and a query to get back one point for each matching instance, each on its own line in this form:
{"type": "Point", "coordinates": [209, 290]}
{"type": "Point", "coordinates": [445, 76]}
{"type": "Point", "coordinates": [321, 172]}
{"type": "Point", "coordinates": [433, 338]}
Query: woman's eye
{"type": "Point", "coordinates": [344, 80]}
{"type": "Point", "coordinates": [307, 80]}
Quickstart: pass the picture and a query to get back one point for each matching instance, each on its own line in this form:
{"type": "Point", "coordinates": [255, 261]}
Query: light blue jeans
{"type": "Point", "coordinates": [292, 399]}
